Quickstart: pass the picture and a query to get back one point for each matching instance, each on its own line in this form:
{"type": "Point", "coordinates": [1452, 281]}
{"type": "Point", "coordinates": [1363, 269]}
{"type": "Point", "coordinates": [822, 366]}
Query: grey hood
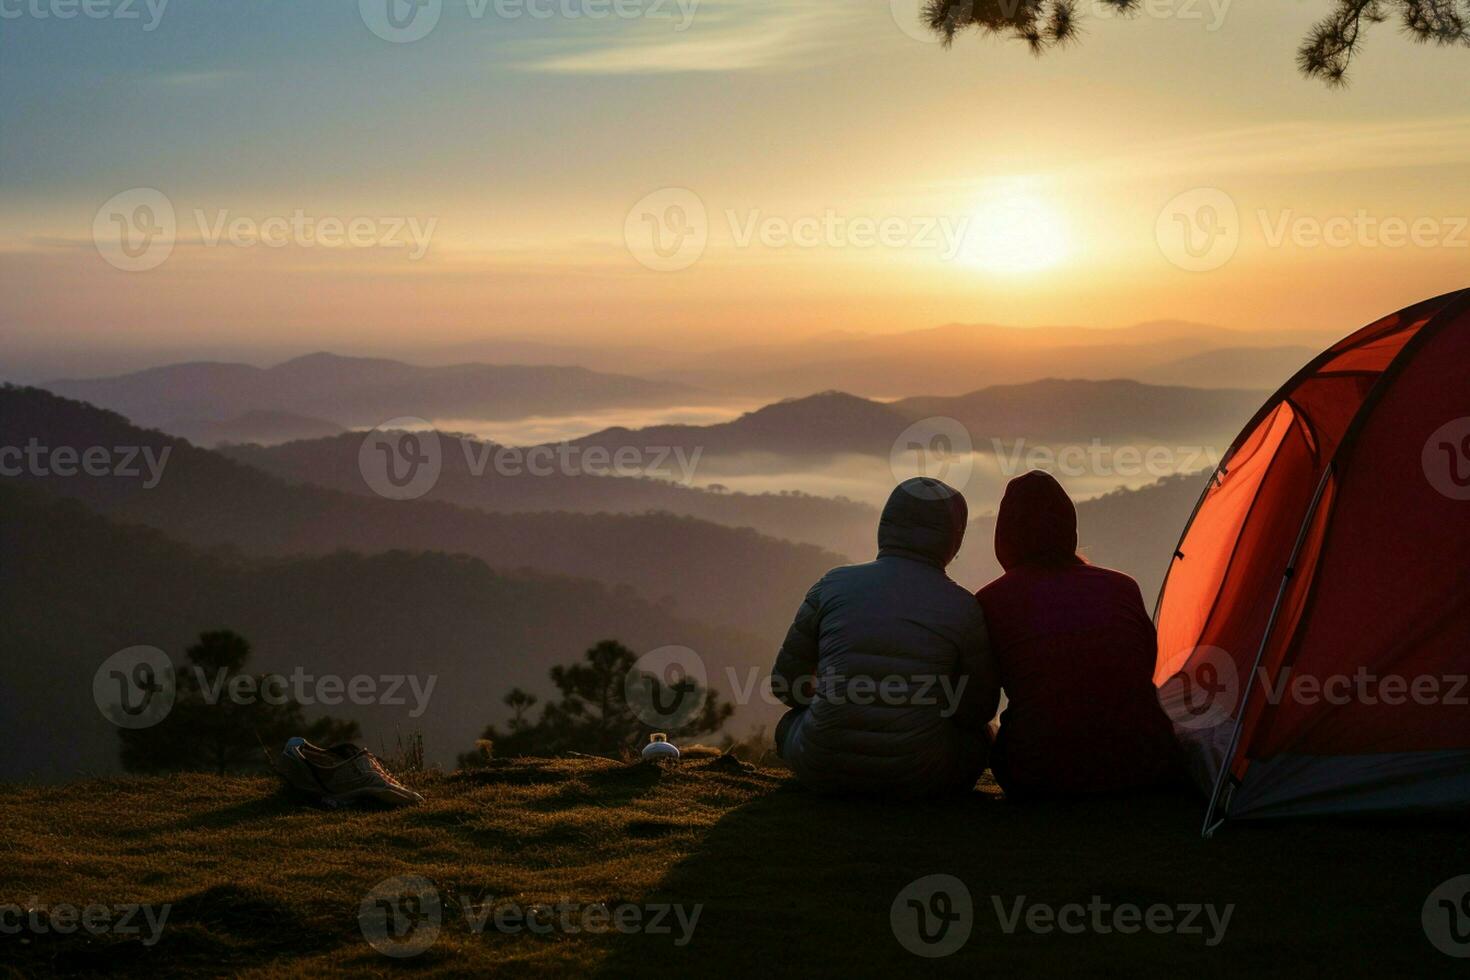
{"type": "Point", "coordinates": [924, 519]}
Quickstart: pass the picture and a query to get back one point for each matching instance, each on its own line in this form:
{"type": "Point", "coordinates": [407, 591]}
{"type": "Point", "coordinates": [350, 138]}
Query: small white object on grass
{"type": "Point", "coordinates": [659, 747]}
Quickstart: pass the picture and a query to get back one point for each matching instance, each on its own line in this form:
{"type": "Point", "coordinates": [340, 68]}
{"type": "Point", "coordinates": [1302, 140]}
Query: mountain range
{"type": "Point", "coordinates": [1046, 412]}
{"type": "Point", "coordinates": [469, 478]}
{"type": "Point", "coordinates": [700, 570]}
{"type": "Point", "coordinates": [362, 392]}
{"type": "Point", "coordinates": [947, 360]}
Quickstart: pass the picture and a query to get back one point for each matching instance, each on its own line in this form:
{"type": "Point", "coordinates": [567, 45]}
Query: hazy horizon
{"type": "Point", "coordinates": [41, 360]}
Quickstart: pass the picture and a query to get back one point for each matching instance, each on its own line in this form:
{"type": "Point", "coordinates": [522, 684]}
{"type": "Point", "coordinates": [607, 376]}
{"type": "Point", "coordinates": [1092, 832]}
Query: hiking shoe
{"type": "Point", "coordinates": [342, 774]}
{"type": "Point", "coordinates": [294, 770]}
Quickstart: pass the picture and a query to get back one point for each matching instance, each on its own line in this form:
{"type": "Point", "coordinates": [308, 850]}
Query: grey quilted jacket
{"type": "Point", "coordinates": [887, 666]}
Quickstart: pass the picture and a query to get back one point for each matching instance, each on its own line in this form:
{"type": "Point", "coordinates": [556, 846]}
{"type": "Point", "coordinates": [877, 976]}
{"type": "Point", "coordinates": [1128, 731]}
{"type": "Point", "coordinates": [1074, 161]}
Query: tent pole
{"type": "Point", "coordinates": [1175, 555]}
{"type": "Point", "coordinates": [1211, 823]}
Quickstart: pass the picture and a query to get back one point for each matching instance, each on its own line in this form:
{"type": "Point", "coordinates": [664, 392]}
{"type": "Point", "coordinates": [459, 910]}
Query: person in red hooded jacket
{"type": "Point", "coordinates": [1075, 648]}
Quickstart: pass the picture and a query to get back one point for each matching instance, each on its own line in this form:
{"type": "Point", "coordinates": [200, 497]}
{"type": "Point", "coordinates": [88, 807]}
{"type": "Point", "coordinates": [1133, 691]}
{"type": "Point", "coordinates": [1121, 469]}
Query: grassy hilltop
{"type": "Point", "coordinates": [258, 885]}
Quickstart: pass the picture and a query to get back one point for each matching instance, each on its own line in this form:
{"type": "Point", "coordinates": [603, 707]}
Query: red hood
{"type": "Point", "coordinates": [1037, 523]}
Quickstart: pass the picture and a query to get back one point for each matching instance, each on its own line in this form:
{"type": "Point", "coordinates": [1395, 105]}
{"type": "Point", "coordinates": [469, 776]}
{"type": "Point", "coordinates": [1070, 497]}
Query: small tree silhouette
{"type": "Point", "coordinates": [210, 731]}
{"type": "Point", "coordinates": [519, 703]}
{"type": "Point", "coordinates": [593, 714]}
{"type": "Point", "coordinates": [1325, 53]}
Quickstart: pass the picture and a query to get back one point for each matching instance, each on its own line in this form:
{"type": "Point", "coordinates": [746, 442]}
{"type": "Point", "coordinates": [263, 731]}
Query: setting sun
{"type": "Point", "coordinates": [1016, 231]}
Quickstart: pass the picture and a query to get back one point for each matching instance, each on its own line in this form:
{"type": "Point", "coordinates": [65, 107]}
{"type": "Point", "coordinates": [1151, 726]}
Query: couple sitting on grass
{"type": "Point", "coordinates": [893, 671]}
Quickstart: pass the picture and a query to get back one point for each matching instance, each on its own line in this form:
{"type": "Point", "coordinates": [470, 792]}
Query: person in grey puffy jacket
{"type": "Point", "coordinates": [887, 668]}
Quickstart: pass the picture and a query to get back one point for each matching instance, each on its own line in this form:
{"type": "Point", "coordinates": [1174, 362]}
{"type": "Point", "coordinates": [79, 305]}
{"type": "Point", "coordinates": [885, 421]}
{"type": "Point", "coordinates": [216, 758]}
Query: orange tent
{"type": "Point", "coordinates": [1314, 625]}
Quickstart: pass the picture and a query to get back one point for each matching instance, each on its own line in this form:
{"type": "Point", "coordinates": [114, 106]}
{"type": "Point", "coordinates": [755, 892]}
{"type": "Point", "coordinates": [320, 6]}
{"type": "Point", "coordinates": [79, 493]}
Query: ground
{"type": "Point", "coordinates": [784, 881]}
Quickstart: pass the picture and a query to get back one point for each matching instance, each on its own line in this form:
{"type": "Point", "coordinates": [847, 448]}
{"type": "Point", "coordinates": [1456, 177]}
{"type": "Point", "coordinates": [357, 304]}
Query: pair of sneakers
{"type": "Point", "coordinates": [342, 774]}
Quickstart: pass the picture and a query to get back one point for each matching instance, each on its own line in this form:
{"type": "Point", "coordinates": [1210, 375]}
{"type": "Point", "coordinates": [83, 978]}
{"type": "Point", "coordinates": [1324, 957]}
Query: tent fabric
{"type": "Point", "coordinates": [1323, 553]}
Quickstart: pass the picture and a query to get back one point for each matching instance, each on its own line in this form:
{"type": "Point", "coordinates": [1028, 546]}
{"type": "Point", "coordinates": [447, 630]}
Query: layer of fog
{"type": "Point", "coordinates": [541, 429]}
{"type": "Point", "coordinates": [981, 475]}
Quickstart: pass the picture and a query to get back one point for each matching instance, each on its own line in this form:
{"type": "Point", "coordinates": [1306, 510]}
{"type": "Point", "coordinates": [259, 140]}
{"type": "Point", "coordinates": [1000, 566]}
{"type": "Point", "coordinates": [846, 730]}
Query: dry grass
{"type": "Point", "coordinates": [258, 885]}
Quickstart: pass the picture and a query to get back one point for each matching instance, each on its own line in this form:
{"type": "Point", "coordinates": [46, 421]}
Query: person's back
{"type": "Point", "coordinates": [887, 663]}
{"type": "Point", "coordinates": [1075, 647]}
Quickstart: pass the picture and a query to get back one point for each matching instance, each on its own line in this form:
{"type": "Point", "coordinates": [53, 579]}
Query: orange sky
{"type": "Point", "coordinates": [806, 166]}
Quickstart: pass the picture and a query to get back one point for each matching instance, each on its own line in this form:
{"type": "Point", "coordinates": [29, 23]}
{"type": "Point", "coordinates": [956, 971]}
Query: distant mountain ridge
{"type": "Point", "coordinates": [363, 392]}
{"type": "Point", "coordinates": [1047, 411]}
{"type": "Point", "coordinates": [1232, 366]}
{"type": "Point", "coordinates": [704, 571]}
{"type": "Point", "coordinates": [825, 424]}
{"type": "Point", "coordinates": [950, 359]}
{"type": "Point", "coordinates": [1073, 410]}
{"type": "Point", "coordinates": [839, 525]}
{"type": "Point", "coordinates": [262, 427]}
